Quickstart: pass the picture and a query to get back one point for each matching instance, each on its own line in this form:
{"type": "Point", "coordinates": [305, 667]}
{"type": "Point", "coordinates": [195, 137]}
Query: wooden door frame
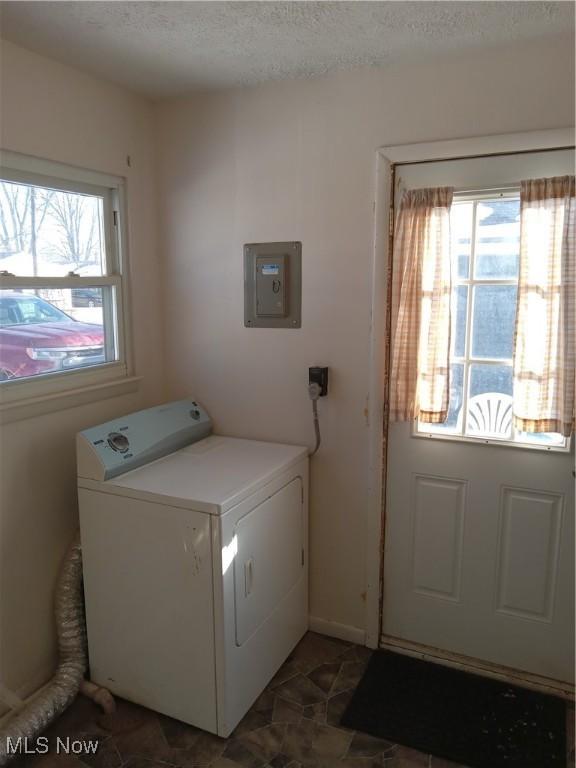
{"type": "Point", "coordinates": [387, 158]}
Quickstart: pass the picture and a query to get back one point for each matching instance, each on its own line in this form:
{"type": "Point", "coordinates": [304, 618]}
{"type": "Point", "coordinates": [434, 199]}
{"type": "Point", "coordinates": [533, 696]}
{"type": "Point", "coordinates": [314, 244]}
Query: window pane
{"type": "Point", "coordinates": [540, 438]}
{"type": "Point", "coordinates": [494, 316]}
{"type": "Point", "coordinates": [459, 310]}
{"type": "Point", "coordinates": [497, 239]}
{"type": "Point", "coordinates": [453, 421]}
{"type": "Point", "coordinates": [461, 232]}
{"type": "Point", "coordinates": [490, 378]}
{"type": "Point", "coordinates": [48, 233]}
{"type": "Point", "coordinates": [51, 330]}
{"type": "Point", "coordinates": [490, 401]}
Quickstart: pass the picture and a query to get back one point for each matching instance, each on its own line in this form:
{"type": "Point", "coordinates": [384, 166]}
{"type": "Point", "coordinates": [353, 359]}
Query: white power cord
{"type": "Point", "coordinates": [314, 391]}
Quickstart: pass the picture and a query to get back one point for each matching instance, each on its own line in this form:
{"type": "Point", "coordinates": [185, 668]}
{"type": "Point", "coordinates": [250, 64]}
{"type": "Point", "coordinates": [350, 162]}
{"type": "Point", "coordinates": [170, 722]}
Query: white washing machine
{"type": "Point", "coordinates": [195, 555]}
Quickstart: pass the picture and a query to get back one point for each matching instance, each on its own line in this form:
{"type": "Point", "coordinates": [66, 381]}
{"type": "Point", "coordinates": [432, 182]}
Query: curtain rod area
{"type": "Point", "coordinates": [489, 154]}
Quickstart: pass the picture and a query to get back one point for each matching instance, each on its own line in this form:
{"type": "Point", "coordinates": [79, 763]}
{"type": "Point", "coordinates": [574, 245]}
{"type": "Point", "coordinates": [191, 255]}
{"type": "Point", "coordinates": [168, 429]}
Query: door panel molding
{"type": "Point", "coordinates": [438, 511]}
{"type": "Point", "coordinates": [528, 552]}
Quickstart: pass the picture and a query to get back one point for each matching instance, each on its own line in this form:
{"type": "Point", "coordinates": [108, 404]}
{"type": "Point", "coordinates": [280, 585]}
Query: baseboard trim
{"type": "Point", "coordinates": [479, 667]}
{"type": "Point", "coordinates": [340, 631]}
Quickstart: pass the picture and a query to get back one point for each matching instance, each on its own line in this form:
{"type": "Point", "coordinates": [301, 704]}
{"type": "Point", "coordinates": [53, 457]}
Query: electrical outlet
{"type": "Point", "coordinates": [319, 376]}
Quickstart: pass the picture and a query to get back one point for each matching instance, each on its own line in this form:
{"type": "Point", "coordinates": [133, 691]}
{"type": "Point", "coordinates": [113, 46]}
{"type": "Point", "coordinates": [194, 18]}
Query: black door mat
{"type": "Point", "coordinates": [473, 720]}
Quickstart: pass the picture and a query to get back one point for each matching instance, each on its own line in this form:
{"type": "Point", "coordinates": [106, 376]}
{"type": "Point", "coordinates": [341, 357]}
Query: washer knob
{"type": "Point", "coordinates": [118, 442]}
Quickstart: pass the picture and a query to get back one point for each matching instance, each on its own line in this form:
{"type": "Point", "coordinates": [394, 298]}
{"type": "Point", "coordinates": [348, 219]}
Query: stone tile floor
{"type": "Point", "coordinates": [294, 724]}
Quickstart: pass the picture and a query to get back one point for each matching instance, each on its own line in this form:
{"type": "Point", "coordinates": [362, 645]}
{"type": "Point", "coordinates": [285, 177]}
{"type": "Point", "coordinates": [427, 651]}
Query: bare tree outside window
{"type": "Point", "coordinates": [22, 213]}
{"type": "Point", "coordinates": [49, 232]}
{"type": "Point", "coordinates": [77, 221]}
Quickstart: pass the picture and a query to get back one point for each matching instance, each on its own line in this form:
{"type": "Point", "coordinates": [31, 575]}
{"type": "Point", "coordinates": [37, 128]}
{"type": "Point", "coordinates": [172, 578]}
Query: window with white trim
{"type": "Point", "coordinates": [485, 232]}
{"type": "Point", "coordinates": [62, 292]}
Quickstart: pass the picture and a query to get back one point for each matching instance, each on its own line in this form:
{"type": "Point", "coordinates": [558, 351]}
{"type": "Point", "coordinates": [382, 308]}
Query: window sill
{"type": "Point", "coordinates": [27, 408]}
{"type": "Point", "coordinates": [548, 448]}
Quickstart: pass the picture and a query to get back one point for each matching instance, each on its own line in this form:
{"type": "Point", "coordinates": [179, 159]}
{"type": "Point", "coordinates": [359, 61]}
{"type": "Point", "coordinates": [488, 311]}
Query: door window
{"type": "Point", "coordinates": [485, 231]}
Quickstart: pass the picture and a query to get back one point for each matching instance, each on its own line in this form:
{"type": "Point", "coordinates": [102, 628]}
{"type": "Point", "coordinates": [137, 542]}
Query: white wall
{"type": "Point", "coordinates": [296, 161]}
{"type": "Point", "coordinates": [54, 112]}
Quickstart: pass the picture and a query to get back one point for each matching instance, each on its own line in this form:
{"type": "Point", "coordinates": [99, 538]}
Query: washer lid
{"type": "Point", "coordinates": [211, 475]}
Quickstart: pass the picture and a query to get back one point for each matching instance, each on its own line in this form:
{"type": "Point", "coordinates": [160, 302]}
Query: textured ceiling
{"type": "Point", "coordinates": [167, 48]}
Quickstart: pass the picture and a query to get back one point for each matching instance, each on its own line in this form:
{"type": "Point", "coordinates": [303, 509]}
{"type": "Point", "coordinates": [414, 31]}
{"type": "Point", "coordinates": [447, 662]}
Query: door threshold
{"type": "Point", "coordinates": [479, 667]}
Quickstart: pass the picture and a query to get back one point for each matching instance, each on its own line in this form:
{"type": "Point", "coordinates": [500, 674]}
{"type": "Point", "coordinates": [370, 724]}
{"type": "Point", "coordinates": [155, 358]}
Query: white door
{"type": "Point", "coordinates": [479, 541]}
{"type": "Point", "coordinates": [479, 554]}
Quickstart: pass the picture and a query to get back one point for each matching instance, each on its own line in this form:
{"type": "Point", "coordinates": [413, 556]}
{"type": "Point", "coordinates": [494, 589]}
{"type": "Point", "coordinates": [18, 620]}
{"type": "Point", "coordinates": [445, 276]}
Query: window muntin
{"type": "Point", "coordinates": [60, 277]}
{"type": "Point", "coordinates": [485, 231]}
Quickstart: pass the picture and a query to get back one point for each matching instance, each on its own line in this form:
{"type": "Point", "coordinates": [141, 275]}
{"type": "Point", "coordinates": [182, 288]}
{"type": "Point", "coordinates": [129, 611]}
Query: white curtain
{"type": "Point", "coordinates": [545, 341]}
{"type": "Point", "coordinates": [420, 379]}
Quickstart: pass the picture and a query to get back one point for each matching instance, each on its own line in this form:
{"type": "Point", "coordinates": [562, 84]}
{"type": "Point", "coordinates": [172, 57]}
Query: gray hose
{"type": "Point", "coordinates": [314, 391]}
{"type": "Point", "coordinates": [316, 426]}
{"type": "Point", "coordinates": [59, 693]}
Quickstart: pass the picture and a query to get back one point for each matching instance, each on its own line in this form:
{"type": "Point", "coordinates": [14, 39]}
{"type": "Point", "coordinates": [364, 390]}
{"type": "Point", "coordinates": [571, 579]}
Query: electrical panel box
{"type": "Point", "coordinates": [272, 285]}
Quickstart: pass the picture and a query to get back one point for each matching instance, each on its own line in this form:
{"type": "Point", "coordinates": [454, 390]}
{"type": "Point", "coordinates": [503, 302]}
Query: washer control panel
{"type": "Point", "coordinates": [124, 444]}
{"type": "Point", "coordinates": [118, 442]}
